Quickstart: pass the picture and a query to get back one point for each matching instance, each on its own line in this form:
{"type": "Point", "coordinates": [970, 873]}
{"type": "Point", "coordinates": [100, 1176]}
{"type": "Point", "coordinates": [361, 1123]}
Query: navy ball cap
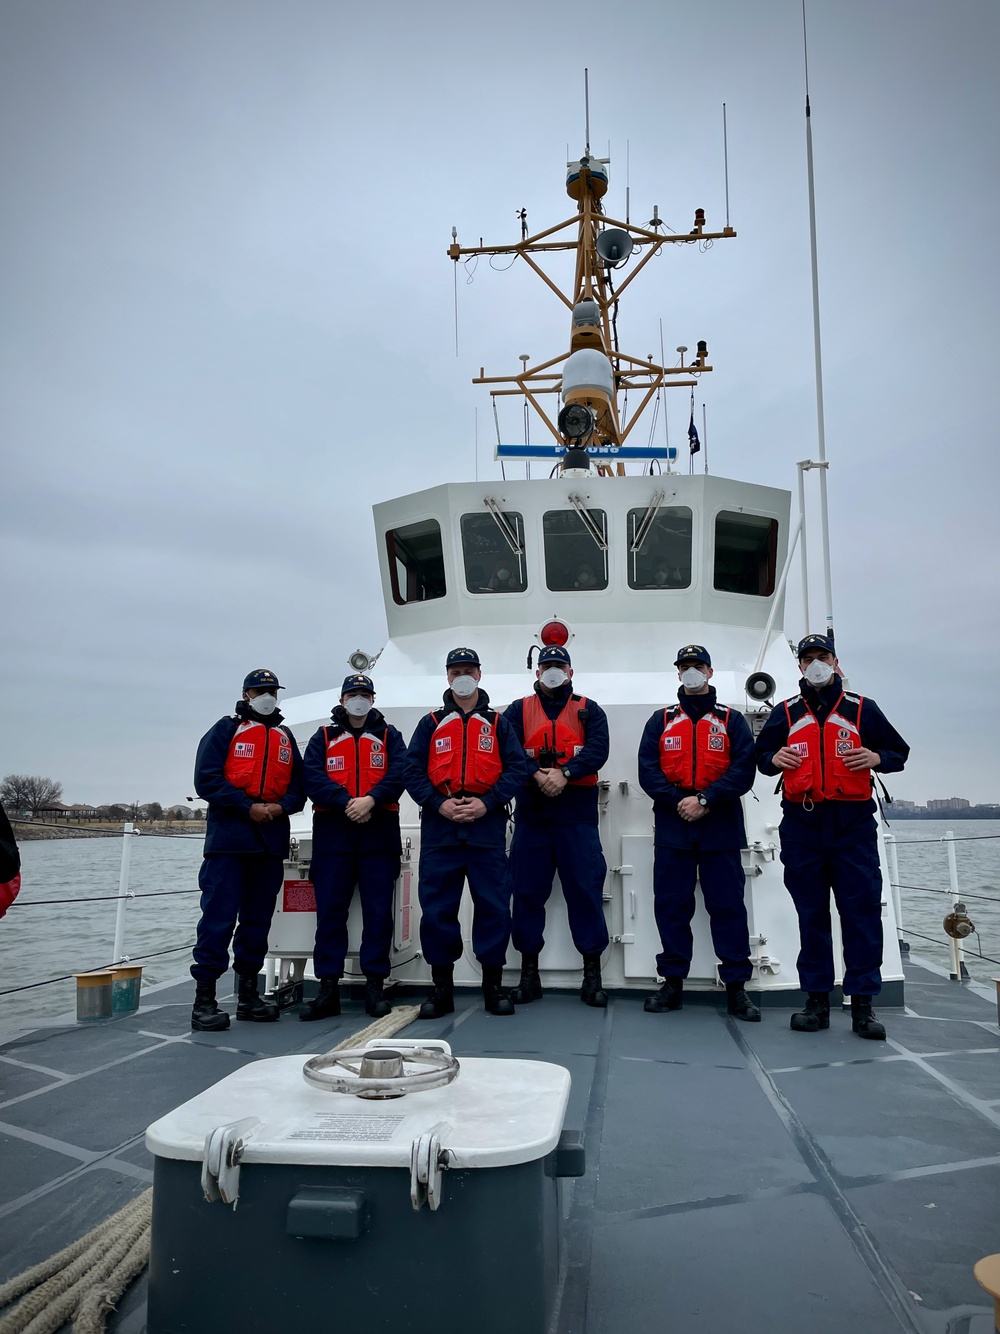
{"type": "Point", "coordinates": [261, 679]}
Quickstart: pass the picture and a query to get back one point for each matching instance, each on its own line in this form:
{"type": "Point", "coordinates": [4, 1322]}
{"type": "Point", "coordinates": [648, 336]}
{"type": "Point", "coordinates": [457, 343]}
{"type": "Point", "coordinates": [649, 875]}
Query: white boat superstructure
{"type": "Point", "coordinates": [672, 559]}
{"type": "Point", "coordinates": [623, 569]}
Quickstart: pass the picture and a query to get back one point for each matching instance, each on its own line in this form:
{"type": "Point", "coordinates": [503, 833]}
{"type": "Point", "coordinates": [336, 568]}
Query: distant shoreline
{"type": "Point", "coordinates": [26, 831]}
{"type": "Point", "coordinates": [975, 813]}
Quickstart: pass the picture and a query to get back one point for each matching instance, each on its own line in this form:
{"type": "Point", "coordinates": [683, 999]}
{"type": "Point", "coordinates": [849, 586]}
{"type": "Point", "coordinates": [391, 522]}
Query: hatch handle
{"type": "Point", "coordinates": [220, 1163]}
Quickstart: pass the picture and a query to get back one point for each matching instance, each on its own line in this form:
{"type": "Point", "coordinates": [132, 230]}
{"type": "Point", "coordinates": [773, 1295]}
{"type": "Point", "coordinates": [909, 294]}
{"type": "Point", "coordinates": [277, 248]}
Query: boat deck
{"type": "Point", "coordinates": [740, 1176]}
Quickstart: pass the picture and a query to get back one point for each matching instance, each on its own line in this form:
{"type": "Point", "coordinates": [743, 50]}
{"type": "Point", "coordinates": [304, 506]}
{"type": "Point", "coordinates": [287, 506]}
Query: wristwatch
{"type": "Point", "coordinates": [702, 800]}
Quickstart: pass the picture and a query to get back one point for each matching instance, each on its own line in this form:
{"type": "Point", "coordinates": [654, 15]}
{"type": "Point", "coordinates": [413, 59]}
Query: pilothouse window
{"type": "Point", "coordinates": [574, 559]}
{"type": "Point", "coordinates": [416, 562]}
{"type": "Point", "coordinates": [659, 554]}
{"type": "Point", "coordinates": [746, 547]}
{"type": "Point", "coordinates": [493, 551]}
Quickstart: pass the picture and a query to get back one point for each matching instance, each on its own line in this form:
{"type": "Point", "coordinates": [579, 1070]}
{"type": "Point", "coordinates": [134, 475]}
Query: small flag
{"type": "Point", "coordinates": [693, 440]}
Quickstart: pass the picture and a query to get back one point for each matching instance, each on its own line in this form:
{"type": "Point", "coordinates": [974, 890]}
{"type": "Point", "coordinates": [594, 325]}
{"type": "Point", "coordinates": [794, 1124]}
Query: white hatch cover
{"type": "Point", "coordinates": [496, 1113]}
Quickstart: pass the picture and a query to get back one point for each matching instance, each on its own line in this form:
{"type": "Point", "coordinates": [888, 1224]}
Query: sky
{"type": "Point", "coordinates": [228, 327]}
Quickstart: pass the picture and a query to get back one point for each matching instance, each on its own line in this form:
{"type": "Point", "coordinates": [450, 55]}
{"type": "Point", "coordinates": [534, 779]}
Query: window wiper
{"type": "Point", "coordinates": [588, 521]}
{"type": "Point", "coordinates": [507, 533]}
{"type": "Point", "coordinates": [646, 522]}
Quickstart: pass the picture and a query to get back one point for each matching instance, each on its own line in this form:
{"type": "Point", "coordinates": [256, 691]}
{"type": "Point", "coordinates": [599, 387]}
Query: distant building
{"type": "Point", "coordinates": [948, 804]}
{"type": "Point", "coordinates": [58, 811]}
{"type": "Point", "coordinates": [898, 804]}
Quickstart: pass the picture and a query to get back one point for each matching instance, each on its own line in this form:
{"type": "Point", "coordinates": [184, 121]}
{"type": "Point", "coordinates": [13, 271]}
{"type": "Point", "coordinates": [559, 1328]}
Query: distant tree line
{"type": "Point", "coordinates": [28, 794]}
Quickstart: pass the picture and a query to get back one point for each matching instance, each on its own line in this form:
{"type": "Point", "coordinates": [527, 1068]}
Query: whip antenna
{"type": "Point", "coordinates": [822, 463]}
{"type": "Point", "coordinates": [586, 106]}
{"type": "Point", "coordinates": [725, 158]}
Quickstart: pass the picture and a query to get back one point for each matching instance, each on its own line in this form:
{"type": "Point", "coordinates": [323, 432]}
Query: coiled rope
{"type": "Point", "coordinates": [84, 1281]}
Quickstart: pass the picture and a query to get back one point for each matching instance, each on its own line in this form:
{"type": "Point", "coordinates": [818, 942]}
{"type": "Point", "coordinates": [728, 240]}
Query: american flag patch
{"type": "Point", "coordinates": [243, 750]}
{"type": "Point", "coordinates": [672, 743]}
{"type": "Point", "coordinates": [335, 763]}
{"type": "Point", "coordinates": [442, 743]}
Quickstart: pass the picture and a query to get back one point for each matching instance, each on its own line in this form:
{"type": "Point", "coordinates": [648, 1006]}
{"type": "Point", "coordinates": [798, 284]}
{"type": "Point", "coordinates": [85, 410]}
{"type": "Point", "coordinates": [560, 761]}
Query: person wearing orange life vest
{"type": "Point", "coordinates": [696, 762]}
{"type": "Point", "coordinates": [464, 764]}
{"type": "Point", "coordinates": [249, 771]}
{"type": "Point", "coordinates": [825, 743]}
{"type": "Point", "coordinates": [565, 737]}
{"type": "Point", "coordinates": [354, 778]}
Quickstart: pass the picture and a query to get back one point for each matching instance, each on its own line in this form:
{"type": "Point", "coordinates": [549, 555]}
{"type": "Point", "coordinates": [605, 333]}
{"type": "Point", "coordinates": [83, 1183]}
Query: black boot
{"type": "Point", "coordinates": [495, 998]}
{"type": "Point", "coordinates": [442, 999]}
{"type": "Point", "coordinates": [816, 1014]}
{"type": "Point", "coordinates": [591, 992]}
{"type": "Point", "coordinates": [740, 1004]}
{"type": "Point", "coordinates": [530, 986]}
{"type": "Point", "coordinates": [669, 997]}
{"type": "Point", "coordinates": [375, 1002]}
{"type": "Point", "coordinates": [863, 1019]}
{"type": "Point", "coordinates": [326, 1002]}
{"type": "Point", "coordinates": [250, 1006]}
{"type": "Point", "coordinates": [206, 1017]}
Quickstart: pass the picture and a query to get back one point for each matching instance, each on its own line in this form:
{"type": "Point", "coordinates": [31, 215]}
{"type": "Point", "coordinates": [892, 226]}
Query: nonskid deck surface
{"type": "Point", "coordinates": [739, 1176]}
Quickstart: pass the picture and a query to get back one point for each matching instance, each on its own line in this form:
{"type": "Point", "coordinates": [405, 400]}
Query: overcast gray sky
{"type": "Point", "coordinates": [222, 244]}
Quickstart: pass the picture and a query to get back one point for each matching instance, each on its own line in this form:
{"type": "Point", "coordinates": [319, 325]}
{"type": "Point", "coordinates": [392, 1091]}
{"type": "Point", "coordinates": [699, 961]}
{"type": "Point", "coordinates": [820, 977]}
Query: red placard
{"type": "Point", "coordinates": [298, 896]}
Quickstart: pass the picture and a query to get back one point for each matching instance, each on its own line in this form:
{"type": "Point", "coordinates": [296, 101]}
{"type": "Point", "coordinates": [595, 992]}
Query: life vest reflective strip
{"type": "Point", "coordinates": [464, 756]}
{"type": "Point", "coordinates": [823, 775]}
{"type": "Point", "coordinates": [693, 755]}
{"type": "Point", "coordinates": [356, 760]}
{"type": "Point", "coordinates": [259, 762]}
{"type": "Point", "coordinates": [565, 734]}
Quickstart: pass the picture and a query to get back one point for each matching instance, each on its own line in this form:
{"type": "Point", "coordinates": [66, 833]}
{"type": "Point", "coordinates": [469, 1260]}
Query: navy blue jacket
{"type": "Point", "coordinates": [831, 819]}
{"type": "Point", "coordinates": [722, 829]}
{"type": "Point", "coordinates": [229, 827]}
{"type": "Point", "coordinates": [332, 831]}
{"type": "Point", "coordinates": [574, 805]}
{"type": "Point", "coordinates": [491, 830]}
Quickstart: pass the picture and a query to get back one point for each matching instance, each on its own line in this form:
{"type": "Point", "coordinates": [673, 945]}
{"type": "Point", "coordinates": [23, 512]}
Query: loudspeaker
{"type": "Point", "coordinates": [760, 686]}
{"type": "Point", "coordinates": [614, 246]}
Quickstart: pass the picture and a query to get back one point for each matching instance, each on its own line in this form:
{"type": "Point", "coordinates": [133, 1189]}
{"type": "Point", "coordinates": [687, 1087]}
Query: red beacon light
{"type": "Point", "coordinates": [554, 633]}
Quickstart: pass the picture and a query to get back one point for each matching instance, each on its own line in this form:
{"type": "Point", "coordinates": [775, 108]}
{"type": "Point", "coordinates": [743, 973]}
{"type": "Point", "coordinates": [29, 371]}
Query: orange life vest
{"type": "Point", "coordinates": [356, 759]}
{"type": "Point", "coordinates": [565, 735]}
{"type": "Point", "coordinates": [693, 755]}
{"type": "Point", "coordinates": [823, 775]}
{"type": "Point", "coordinates": [259, 762]}
{"type": "Point", "coordinates": [464, 757]}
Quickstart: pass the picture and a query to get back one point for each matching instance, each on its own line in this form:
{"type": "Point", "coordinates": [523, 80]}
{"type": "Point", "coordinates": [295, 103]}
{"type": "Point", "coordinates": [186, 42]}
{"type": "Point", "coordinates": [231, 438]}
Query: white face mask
{"type": "Point", "coordinates": [357, 705]}
{"type": "Point", "coordinates": [464, 686]}
{"type": "Point", "coordinates": [264, 705]}
{"type": "Point", "coordinates": [818, 673]}
{"type": "Point", "coordinates": [692, 678]}
{"type": "Point", "coordinates": [553, 677]}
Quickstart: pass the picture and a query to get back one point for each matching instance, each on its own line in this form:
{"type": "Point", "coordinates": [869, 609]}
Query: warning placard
{"type": "Point", "coordinates": [331, 1128]}
{"type": "Point", "coordinates": [298, 896]}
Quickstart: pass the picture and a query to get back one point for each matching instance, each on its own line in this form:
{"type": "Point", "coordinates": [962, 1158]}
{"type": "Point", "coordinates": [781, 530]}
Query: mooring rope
{"type": "Point", "coordinates": [85, 1279]}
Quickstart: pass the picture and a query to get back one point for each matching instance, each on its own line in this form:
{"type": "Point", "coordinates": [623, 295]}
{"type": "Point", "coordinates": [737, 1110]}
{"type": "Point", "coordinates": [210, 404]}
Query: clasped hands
{"type": "Point", "coordinates": [691, 809]}
{"type": "Point", "coordinates": [462, 810]}
{"type": "Point", "coordinates": [262, 812]}
{"type": "Point", "coordinates": [551, 781]}
{"type": "Point", "coordinates": [854, 760]}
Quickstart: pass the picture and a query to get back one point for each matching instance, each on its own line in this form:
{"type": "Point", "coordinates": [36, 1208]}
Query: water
{"type": "Point", "coordinates": [38, 942]}
{"type": "Point", "coordinates": [924, 863]}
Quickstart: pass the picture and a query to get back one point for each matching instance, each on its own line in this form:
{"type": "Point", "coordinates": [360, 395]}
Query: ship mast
{"type": "Point", "coordinates": [595, 373]}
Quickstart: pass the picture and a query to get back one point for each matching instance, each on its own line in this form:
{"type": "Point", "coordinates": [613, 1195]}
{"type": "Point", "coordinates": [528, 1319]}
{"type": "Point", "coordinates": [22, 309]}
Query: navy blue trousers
{"type": "Point", "coordinates": [851, 872]}
{"type": "Point", "coordinates": [335, 876]}
{"type": "Point", "coordinates": [235, 888]}
{"type": "Point", "coordinates": [675, 872]}
{"type": "Point", "coordinates": [536, 854]}
{"type": "Point", "coordinates": [443, 872]}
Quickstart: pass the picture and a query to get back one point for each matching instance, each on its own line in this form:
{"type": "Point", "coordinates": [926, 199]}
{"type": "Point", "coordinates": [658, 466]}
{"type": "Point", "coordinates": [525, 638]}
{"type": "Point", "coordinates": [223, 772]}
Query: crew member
{"type": "Point", "coordinates": [696, 762]}
{"type": "Point", "coordinates": [354, 778]}
{"type": "Point", "coordinates": [10, 864]}
{"type": "Point", "coordinates": [565, 737]}
{"type": "Point", "coordinates": [825, 743]}
{"type": "Point", "coordinates": [249, 771]}
{"type": "Point", "coordinates": [463, 766]}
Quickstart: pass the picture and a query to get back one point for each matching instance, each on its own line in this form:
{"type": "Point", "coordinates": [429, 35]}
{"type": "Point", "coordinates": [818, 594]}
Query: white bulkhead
{"type": "Point", "coordinates": [635, 567]}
